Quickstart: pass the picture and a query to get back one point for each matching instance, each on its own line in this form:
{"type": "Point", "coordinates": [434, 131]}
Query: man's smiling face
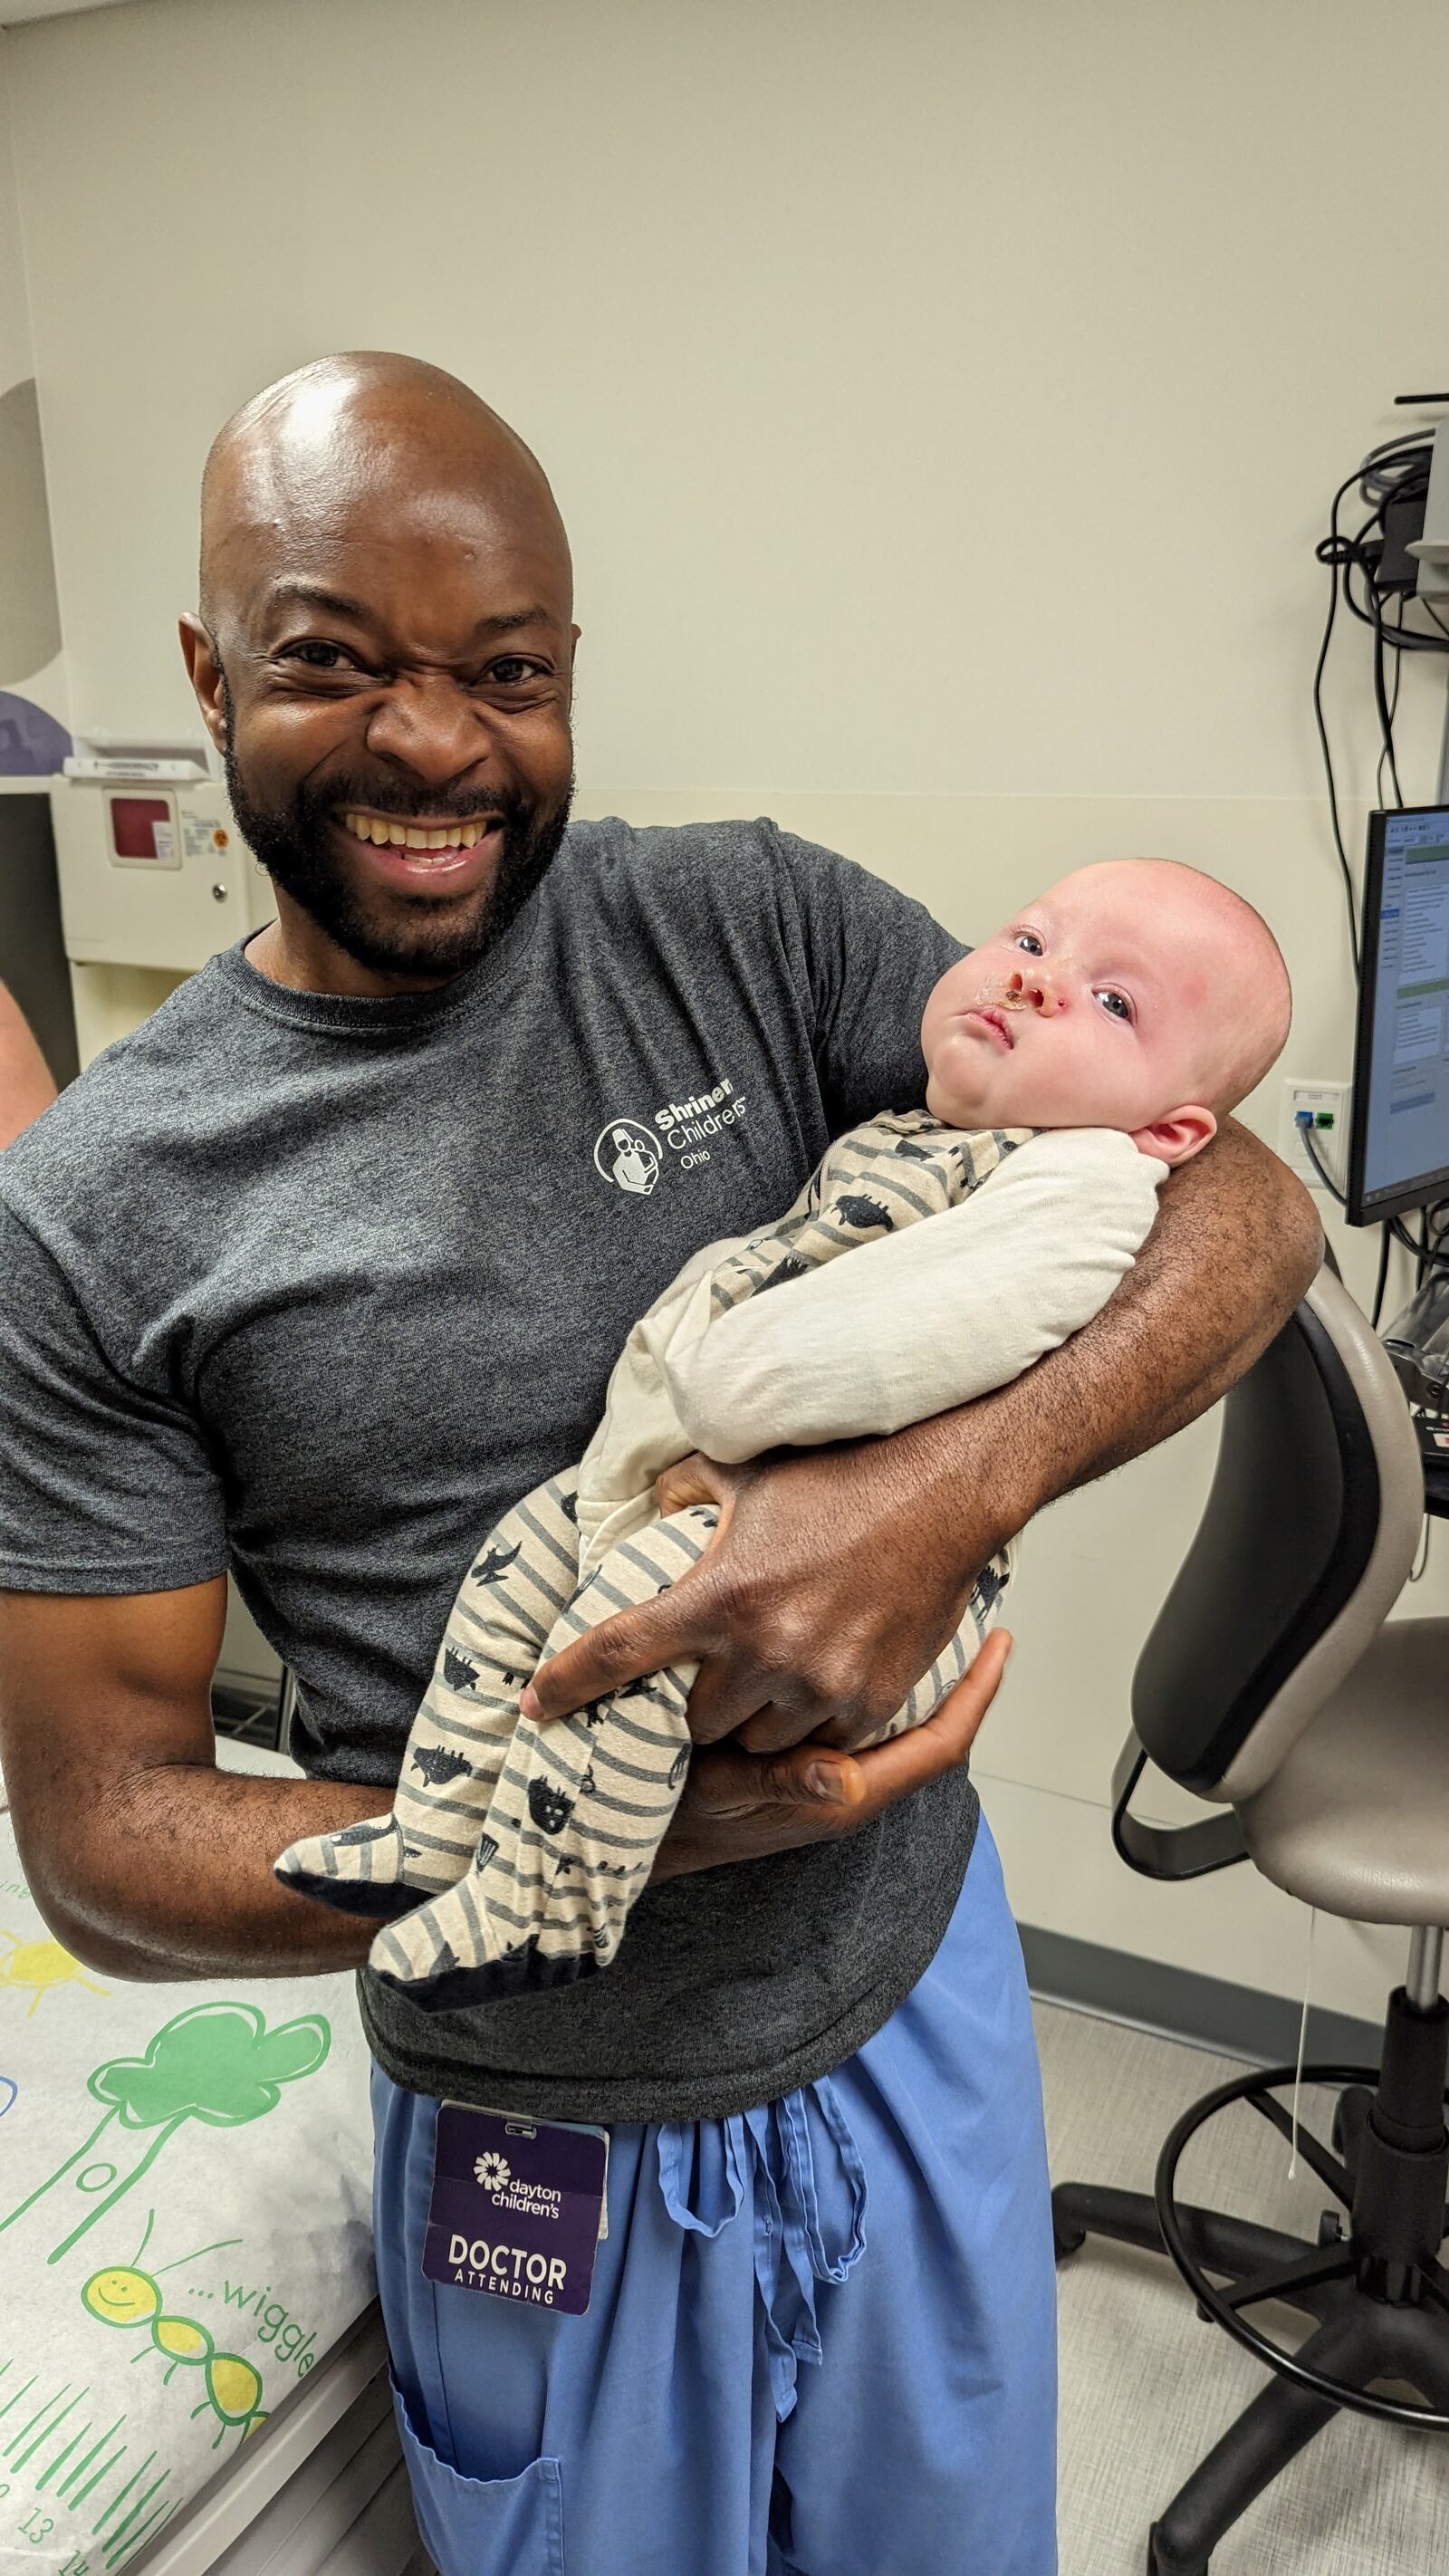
{"type": "Point", "coordinates": [385, 659]}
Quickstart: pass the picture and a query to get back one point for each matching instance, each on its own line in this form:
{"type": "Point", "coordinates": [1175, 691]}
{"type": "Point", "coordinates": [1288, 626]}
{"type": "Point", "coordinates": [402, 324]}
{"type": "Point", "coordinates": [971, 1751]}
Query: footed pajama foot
{"type": "Point", "coordinates": [505, 1607]}
{"type": "Point", "coordinates": [439, 1955]}
{"type": "Point", "coordinates": [359, 1870]}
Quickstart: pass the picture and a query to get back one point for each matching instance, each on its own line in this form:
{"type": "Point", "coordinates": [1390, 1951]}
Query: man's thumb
{"type": "Point", "coordinates": [835, 1779]}
{"type": "Point", "coordinates": [696, 1479]}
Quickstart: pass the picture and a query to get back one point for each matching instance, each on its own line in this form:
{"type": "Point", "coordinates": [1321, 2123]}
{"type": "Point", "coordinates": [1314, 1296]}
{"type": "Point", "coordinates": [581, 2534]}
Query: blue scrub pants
{"type": "Point", "coordinates": [822, 2337]}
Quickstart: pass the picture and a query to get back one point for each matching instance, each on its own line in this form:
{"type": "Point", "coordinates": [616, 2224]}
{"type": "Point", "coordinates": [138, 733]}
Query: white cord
{"type": "Point", "coordinates": [1302, 2044]}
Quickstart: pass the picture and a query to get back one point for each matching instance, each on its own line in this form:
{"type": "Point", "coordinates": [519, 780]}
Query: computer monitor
{"type": "Point", "coordinates": [1398, 1153]}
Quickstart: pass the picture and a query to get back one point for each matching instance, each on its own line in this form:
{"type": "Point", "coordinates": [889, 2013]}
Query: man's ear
{"type": "Point", "coordinates": [1177, 1137]}
{"type": "Point", "coordinates": [203, 669]}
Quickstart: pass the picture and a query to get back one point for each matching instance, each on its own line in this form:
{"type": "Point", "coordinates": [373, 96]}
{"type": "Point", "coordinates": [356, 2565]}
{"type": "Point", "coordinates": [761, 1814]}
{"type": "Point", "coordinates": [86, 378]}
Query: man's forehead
{"type": "Point", "coordinates": [333, 474]}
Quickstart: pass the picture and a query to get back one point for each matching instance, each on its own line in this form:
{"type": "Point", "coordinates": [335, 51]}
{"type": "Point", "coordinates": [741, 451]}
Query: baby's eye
{"type": "Point", "coordinates": [1118, 1005]}
{"type": "Point", "coordinates": [1028, 940]}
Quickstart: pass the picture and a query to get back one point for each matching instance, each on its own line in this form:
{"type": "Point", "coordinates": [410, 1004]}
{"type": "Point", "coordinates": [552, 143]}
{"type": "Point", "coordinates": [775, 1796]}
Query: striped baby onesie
{"type": "Point", "coordinates": [514, 1851]}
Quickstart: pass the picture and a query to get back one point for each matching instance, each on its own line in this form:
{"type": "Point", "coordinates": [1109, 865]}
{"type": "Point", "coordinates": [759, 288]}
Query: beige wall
{"type": "Point", "coordinates": [31, 663]}
{"type": "Point", "coordinates": [944, 401]}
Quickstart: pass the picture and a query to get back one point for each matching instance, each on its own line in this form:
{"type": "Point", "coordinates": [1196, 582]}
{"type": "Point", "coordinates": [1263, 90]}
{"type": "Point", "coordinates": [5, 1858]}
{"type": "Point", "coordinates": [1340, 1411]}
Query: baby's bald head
{"type": "Point", "coordinates": [1137, 994]}
{"type": "Point", "coordinates": [1243, 1028]}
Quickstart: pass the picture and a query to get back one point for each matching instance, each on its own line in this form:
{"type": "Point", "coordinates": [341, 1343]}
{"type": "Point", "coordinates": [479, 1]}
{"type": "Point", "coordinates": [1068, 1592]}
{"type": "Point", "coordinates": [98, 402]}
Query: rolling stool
{"type": "Point", "coordinates": [1269, 1685]}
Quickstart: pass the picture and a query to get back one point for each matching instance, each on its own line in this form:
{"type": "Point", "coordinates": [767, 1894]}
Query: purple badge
{"type": "Point", "coordinates": [517, 2207]}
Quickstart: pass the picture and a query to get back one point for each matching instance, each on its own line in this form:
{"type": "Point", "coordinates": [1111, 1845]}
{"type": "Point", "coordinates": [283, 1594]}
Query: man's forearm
{"type": "Point", "coordinates": [1235, 1246]}
{"type": "Point", "coordinates": [176, 1871]}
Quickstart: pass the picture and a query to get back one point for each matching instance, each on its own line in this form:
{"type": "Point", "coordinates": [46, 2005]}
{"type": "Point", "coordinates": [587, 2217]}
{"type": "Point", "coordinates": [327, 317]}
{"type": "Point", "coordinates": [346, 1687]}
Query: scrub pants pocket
{"type": "Point", "coordinates": [483, 2523]}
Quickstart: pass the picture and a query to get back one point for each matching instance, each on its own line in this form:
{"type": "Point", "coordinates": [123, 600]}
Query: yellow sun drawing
{"type": "Point", "coordinates": [33, 1967]}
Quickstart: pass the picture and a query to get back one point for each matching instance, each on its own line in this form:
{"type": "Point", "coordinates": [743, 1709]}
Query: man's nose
{"type": "Point", "coordinates": [430, 727]}
{"type": "Point", "coordinates": [1034, 992]}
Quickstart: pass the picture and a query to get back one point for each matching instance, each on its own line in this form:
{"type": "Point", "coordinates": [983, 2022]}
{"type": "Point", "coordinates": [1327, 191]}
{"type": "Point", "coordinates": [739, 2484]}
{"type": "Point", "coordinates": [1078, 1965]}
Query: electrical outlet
{"type": "Point", "coordinates": [1328, 1102]}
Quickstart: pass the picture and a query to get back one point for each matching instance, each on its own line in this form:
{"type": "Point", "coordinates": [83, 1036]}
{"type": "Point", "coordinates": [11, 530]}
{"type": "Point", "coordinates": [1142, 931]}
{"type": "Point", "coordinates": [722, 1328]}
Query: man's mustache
{"type": "Point", "coordinates": [391, 797]}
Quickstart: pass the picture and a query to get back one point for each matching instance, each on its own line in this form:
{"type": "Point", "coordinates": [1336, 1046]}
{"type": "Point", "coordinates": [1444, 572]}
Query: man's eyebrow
{"type": "Point", "coordinates": [315, 594]}
{"type": "Point", "coordinates": [299, 592]}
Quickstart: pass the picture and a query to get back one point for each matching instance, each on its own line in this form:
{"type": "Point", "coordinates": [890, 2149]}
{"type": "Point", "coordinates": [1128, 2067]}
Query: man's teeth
{"type": "Point", "coordinates": [406, 836]}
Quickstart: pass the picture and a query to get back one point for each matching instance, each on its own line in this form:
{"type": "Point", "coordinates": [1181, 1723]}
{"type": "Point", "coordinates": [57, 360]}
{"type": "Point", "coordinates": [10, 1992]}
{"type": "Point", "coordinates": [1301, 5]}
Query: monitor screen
{"type": "Point", "coordinates": [1399, 1129]}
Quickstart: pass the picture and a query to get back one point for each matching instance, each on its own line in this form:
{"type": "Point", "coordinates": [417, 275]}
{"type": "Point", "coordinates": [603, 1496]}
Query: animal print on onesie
{"type": "Point", "coordinates": [528, 1843]}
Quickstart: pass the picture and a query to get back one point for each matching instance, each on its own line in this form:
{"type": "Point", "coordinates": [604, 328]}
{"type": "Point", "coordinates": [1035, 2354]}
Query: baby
{"type": "Point", "coordinates": [1074, 1060]}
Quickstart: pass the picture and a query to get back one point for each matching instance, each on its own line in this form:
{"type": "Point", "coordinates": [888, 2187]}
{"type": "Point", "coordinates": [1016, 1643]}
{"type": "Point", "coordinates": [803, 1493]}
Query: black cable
{"type": "Point", "coordinates": [1393, 709]}
{"type": "Point", "coordinates": [1427, 1254]}
{"type": "Point", "coordinates": [1349, 894]}
{"type": "Point", "coordinates": [1321, 1168]}
{"type": "Point", "coordinates": [1382, 1281]}
{"type": "Point", "coordinates": [1386, 721]}
{"type": "Point", "coordinates": [1432, 1260]}
{"type": "Point", "coordinates": [1397, 469]}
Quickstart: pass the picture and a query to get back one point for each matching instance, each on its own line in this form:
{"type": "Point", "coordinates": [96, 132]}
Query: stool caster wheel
{"type": "Point", "coordinates": [1157, 2565]}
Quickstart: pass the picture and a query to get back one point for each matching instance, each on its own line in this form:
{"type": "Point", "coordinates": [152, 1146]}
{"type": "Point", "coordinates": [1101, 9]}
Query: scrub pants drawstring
{"type": "Point", "coordinates": [799, 2166]}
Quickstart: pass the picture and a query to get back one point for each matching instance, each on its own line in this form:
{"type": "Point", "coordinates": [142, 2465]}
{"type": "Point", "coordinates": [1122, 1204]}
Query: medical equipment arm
{"type": "Point", "coordinates": [929, 1317]}
{"type": "Point", "coordinates": [25, 1084]}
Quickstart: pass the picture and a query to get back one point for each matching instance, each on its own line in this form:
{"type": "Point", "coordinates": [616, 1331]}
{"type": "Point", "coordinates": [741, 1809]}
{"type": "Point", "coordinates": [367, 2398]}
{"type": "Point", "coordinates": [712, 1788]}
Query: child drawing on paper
{"type": "Point", "coordinates": [217, 2063]}
{"type": "Point", "coordinates": [124, 2296]}
{"type": "Point", "coordinates": [33, 1967]}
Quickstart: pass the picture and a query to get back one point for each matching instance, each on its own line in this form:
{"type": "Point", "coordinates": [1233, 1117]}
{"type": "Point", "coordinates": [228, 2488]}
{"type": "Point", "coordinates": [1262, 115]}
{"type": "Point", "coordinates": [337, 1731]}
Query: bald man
{"type": "Point", "coordinates": [327, 1263]}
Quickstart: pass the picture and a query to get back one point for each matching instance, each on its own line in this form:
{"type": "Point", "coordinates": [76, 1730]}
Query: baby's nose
{"type": "Point", "coordinates": [1032, 993]}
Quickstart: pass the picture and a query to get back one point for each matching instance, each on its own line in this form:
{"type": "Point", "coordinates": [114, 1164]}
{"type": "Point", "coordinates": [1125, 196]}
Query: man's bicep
{"type": "Point", "coordinates": [106, 1484]}
{"type": "Point", "coordinates": [1235, 1246]}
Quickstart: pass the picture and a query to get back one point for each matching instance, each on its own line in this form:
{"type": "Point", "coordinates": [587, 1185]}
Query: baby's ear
{"type": "Point", "coordinates": [1177, 1137]}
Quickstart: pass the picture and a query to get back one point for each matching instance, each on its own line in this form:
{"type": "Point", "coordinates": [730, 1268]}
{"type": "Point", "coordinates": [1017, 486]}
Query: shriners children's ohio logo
{"type": "Point", "coordinates": [631, 1155]}
{"type": "Point", "coordinates": [492, 2172]}
{"type": "Point", "coordinates": [625, 1154]}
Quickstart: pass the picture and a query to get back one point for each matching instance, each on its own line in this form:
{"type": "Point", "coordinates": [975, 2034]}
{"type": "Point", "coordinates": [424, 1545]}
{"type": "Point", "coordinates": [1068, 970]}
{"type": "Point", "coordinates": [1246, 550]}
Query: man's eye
{"type": "Point", "coordinates": [510, 668]}
{"type": "Point", "coordinates": [317, 655]}
{"type": "Point", "coordinates": [1118, 1005]}
{"type": "Point", "coordinates": [1028, 940]}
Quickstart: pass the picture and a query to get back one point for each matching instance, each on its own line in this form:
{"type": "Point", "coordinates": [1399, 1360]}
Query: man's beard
{"type": "Point", "coordinates": [425, 936]}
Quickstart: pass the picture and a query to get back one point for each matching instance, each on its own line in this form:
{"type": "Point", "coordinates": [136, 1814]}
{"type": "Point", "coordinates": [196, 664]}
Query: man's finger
{"type": "Point", "coordinates": [739, 1806]}
{"type": "Point", "coordinates": [848, 1788]}
{"type": "Point", "coordinates": [892, 1771]}
{"type": "Point", "coordinates": [697, 1479]}
{"type": "Point", "coordinates": [673, 1628]}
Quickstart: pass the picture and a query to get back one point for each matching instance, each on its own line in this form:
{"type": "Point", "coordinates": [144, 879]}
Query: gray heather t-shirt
{"type": "Point", "coordinates": [315, 1288]}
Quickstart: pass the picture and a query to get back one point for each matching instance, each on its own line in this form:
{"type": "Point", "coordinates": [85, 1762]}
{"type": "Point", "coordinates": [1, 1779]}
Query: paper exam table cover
{"type": "Point", "coordinates": [185, 2230]}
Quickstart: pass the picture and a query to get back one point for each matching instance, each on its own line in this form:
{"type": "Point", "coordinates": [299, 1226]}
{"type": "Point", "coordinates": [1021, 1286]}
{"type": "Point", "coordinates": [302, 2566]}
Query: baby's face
{"type": "Point", "coordinates": [1094, 1007]}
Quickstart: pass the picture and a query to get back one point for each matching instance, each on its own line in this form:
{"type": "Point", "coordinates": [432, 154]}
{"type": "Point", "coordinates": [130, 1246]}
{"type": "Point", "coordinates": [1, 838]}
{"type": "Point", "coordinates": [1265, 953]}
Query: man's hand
{"type": "Point", "coordinates": [820, 1600]}
{"type": "Point", "coordinates": [836, 1575]}
{"type": "Point", "coordinates": [739, 1806]}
